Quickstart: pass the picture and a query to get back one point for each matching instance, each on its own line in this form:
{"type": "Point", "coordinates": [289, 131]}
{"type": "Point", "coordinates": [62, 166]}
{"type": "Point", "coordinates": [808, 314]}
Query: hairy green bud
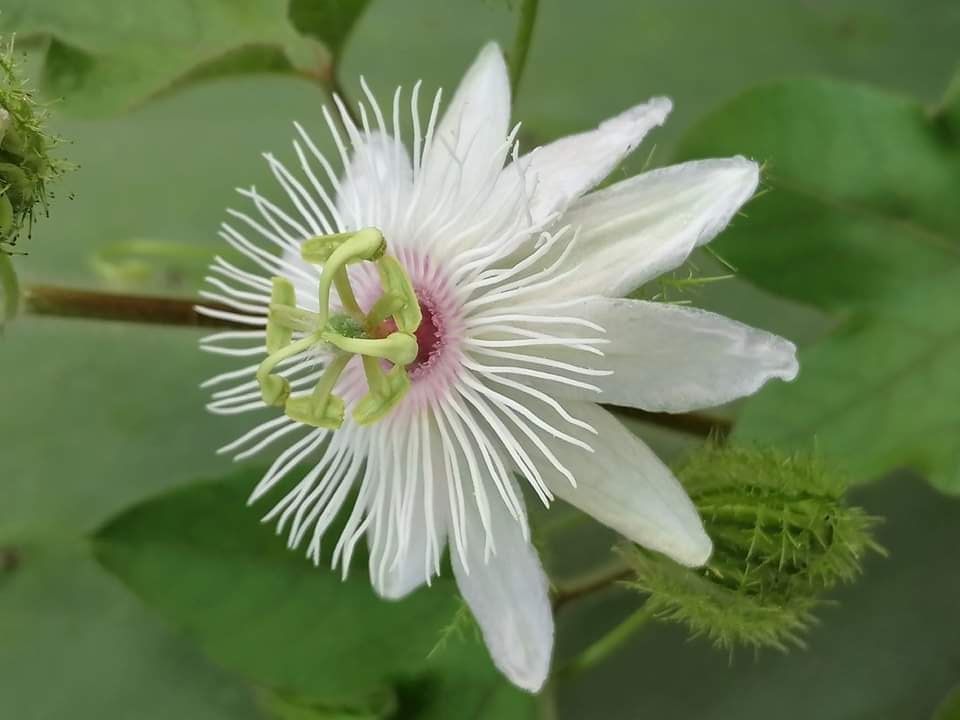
{"type": "Point", "coordinates": [782, 533]}
{"type": "Point", "coordinates": [26, 166]}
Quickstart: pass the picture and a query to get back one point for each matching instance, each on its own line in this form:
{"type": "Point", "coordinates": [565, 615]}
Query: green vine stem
{"type": "Point", "coordinates": [589, 583]}
{"type": "Point", "coordinates": [521, 42]}
{"type": "Point", "coordinates": [609, 643]}
{"type": "Point", "coordinates": [9, 287]}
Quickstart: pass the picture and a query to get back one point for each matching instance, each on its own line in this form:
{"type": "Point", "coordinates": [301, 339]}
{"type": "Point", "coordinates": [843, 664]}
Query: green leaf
{"type": "Point", "coordinates": [77, 645]}
{"type": "Point", "coordinates": [317, 643]}
{"type": "Point", "coordinates": [329, 21]}
{"type": "Point", "coordinates": [862, 188]}
{"type": "Point", "coordinates": [201, 556]}
{"type": "Point", "coordinates": [108, 55]}
{"type": "Point", "coordinates": [861, 221]}
{"type": "Point", "coordinates": [879, 393]}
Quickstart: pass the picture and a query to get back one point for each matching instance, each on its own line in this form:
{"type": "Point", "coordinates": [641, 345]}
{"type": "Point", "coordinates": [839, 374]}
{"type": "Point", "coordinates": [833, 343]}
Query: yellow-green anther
{"type": "Point", "coordinates": [386, 390]}
{"type": "Point", "coordinates": [396, 282]}
{"type": "Point", "coordinates": [321, 408]}
{"type": "Point", "coordinates": [388, 304]}
{"type": "Point", "coordinates": [274, 389]}
{"type": "Point", "coordinates": [317, 250]}
{"type": "Point", "coordinates": [399, 348]}
{"type": "Point", "coordinates": [366, 244]}
{"type": "Point", "coordinates": [282, 295]}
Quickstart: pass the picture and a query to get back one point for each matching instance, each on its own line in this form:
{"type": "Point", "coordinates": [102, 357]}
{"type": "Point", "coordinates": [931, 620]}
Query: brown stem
{"type": "Point", "coordinates": [327, 78]}
{"type": "Point", "coordinates": [91, 305]}
{"type": "Point", "coordinates": [589, 584]}
{"type": "Point", "coordinates": [67, 302]}
{"type": "Point", "coordinates": [692, 423]}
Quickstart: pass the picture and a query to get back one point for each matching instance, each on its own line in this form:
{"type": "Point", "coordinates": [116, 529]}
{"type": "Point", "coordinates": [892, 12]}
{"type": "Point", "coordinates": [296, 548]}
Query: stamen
{"type": "Point", "coordinates": [344, 333]}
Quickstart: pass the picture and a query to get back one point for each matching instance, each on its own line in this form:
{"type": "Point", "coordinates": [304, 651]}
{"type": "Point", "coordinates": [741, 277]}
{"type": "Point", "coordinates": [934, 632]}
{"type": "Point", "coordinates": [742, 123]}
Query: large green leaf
{"type": "Point", "coordinates": [75, 644]}
{"type": "Point", "coordinates": [862, 187]}
{"type": "Point", "coordinates": [107, 55]}
{"type": "Point", "coordinates": [201, 556]}
{"type": "Point", "coordinates": [879, 393]}
{"type": "Point", "coordinates": [859, 215]}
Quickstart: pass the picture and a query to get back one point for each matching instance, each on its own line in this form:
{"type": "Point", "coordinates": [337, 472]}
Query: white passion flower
{"type": "Point", "coordinates": [434, 327]}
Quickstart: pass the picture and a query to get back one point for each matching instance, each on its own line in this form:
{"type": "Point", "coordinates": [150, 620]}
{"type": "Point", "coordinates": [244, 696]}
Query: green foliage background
{"type": "Point", "coordinates": [853, 253]}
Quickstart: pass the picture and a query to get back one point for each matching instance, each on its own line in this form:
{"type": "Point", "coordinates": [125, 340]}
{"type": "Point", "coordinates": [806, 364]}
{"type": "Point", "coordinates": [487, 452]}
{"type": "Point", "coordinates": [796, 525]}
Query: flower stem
{"type": "Point", "coordinates": [589, 584]}
{"type": "Point", "coordinates": [521, 42]}
{"type": "Point", "coordinates": [92, 305]}
{"type": "Point", "coordinates": [609, 643]}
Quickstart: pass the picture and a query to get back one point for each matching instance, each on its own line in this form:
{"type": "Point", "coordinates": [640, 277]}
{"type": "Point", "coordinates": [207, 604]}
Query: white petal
{"type": "Point", "coordinates": [625, 486]}
{"type": "Point", "coordinates": [404, 573]}
{"type": "Point", "coordinates": [509, 597]}
{"type": "Point", "coordinates": [640, 228]}
{"type": "Point", "coordinates": [557, 174]}
{"type": "Point", "coordinates": [472, 130]}
{"type": "Point", "coordinates": [380, 170]}
{"type": "Point", "coordinates": [674, 358]}
{"type": "Point", "coordinates": [395, 575]}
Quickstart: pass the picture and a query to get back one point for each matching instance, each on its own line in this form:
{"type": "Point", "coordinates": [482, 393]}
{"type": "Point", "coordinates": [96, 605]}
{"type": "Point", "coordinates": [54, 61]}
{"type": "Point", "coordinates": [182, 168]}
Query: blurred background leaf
{"type": "Point", "coordinates": [329, 21]}
{"type": "Point", "coordinates": [105, 56]}
{"type": "Point", "coordinates": [272, 616]}
{"type": "Point", "coordinates": [859, 215]}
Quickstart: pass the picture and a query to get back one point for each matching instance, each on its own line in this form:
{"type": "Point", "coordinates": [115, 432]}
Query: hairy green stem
{"type": "Point", "coordinates": [521, 42]}
{"type": "Point", "coordinates": [609, 643]}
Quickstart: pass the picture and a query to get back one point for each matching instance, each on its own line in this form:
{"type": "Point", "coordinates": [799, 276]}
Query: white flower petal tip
{"type": "Point", "coordinates": [508, 594]}
{"type": "Point", "coordinates": [688, 546]}
{"type": "Point", "coordinates": [740, 177]}
{"type": "Point", "coordinates": [633, 124]}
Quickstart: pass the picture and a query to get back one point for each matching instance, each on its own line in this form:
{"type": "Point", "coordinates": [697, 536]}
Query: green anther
{"type": "Point", "coordinates": [399, 348]}
{"type": "Point", "coordinates": [366, 244]}
{"type": "Point", "coordinates": [317, 250]}
{"type": "Point", "coordinates": [396, 282]}
{"type": "Point", "coordinates": [282, 295]}
{"type": "Point", "coordinates": [386, 390]}
{"type": "Point", "coordinates": [274, 389]}
{"type": "Point", "coordinates": [321, 408]}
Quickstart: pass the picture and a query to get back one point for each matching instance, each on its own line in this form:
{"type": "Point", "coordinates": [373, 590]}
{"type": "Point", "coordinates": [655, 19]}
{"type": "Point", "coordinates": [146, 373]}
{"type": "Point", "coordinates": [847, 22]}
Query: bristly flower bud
{"type": "Point", "coordinates": [26, 166]}
{"type": "Point", "coordinates": [782, 535]}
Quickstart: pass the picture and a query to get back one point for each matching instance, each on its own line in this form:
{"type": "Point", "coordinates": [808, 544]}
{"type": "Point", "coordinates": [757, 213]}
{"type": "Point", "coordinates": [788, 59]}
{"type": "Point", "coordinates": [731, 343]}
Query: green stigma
{"type": "Point", "coordinates": [348, 333]}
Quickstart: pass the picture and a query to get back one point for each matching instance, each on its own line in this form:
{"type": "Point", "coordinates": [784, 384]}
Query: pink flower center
{"type": "Point", "coordinates": [439, 337]}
